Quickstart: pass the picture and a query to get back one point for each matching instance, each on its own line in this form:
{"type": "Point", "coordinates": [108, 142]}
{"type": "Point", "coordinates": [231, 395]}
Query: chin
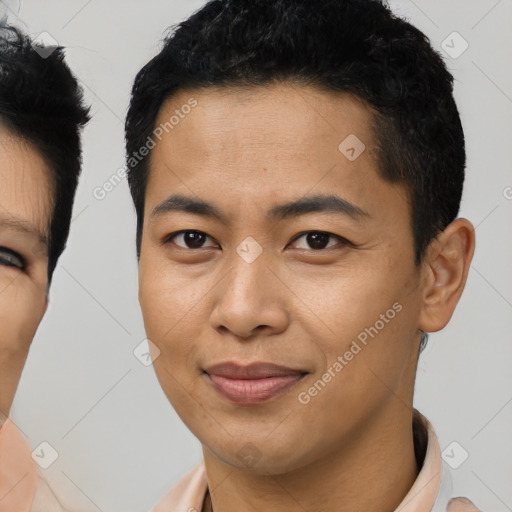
{"type": "Point", "coordinates": [256, 455]}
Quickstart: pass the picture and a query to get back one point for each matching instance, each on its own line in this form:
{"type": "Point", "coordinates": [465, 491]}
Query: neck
{"type": "Point", "coordinates": [374, 470]}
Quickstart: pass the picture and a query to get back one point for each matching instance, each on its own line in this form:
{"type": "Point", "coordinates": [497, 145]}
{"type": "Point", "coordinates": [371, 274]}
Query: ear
{"type": "Point", "coordinates": [446, 268]}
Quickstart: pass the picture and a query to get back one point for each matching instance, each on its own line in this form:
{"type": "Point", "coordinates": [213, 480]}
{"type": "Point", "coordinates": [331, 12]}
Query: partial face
{"type": "Point", "coordinates": [280, 287]}
{"type": "Point", "coordinates": [25, 209]}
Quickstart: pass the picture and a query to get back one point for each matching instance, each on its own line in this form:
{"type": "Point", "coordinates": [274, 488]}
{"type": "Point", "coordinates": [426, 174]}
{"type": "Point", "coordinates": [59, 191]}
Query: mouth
{"type": "Point", "coordinates": [254, 383]}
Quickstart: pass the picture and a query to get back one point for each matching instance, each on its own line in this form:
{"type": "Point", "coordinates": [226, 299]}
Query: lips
{"type": "Point", "coordinates": [254, 383]}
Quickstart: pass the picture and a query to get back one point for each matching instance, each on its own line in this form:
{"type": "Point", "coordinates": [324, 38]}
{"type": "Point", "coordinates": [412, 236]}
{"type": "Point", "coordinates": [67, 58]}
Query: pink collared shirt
{"type": "Point", "coordinates": [18, 472]}
{"type": "Point", "coordinates": [431, 492]}
{"type": "Point", "coordinates": [22, 486]}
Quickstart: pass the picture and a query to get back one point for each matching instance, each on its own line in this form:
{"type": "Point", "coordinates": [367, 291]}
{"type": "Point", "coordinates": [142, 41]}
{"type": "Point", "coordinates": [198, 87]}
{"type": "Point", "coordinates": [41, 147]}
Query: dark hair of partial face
{"type": "Point", "coordinates": [41, 102]}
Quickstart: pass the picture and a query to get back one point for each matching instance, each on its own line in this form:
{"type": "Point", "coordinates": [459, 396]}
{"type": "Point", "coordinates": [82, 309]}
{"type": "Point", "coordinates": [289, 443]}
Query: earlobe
{"type": "Point", "coordinates": [447, 265]}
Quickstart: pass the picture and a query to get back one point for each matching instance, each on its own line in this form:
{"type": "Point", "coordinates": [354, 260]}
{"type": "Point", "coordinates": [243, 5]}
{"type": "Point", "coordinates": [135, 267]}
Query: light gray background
{"type": "Point", "coordinates": [120, 443]}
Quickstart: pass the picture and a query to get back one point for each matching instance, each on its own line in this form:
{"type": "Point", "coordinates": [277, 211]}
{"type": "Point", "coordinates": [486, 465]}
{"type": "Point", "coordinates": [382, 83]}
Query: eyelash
{"type": "Point", "coordinates": [8, 258]}
{"type": "Point", "coordinates": [343, 241]}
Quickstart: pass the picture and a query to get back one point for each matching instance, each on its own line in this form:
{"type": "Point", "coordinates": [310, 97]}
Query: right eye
{"type": "Point", "coordinates": [188, 237]}
{"type": "Point", "coordinates": [10, 258]}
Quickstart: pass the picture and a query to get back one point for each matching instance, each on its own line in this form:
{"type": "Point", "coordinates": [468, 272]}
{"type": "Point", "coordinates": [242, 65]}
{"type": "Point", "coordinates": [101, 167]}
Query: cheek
{"type": "Point", "coordinates": [345, 302]}
{"type": "Point", "coordinates": [170, 308]}
{"type": "Point", "coordinates": [165, 301]}
{"type": "Point", "coordinates": [364, 322]}
{"type": "Point", "coordinates": [173, 296]}
{"type": "Point", "coordinates": [21, 310]}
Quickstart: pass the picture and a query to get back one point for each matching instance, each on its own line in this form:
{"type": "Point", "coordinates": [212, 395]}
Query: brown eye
{"type": "Point", "coordinates": [319, 240]}
{"type": "Point", "coordinates": [189, 239]}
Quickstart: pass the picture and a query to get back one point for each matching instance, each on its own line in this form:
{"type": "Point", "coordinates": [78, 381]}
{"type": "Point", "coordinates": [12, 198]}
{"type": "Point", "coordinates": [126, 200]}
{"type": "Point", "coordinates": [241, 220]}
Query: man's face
{"type": "Point", "coordinates": [25, 209]}
{"type": "Point", "coordinates": [293, 289]}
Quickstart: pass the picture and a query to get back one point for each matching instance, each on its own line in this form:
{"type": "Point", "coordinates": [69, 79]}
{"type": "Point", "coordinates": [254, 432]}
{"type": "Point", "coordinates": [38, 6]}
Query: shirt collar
{"type": "Point", "coordinates": [432, 488]}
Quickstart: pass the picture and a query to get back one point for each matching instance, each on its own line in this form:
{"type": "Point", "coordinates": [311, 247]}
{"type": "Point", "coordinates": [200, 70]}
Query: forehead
{"type": "Point", "coordinates": [261, 142]}
{"type": "Point", "coordinates": [25, 184]}
{"type": "Point", "coordinates": [299, 119]}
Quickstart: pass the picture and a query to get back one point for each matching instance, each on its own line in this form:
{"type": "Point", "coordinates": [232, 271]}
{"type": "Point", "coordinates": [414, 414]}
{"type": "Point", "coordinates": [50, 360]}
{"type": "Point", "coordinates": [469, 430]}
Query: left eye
{"type": "Point", "coordinates": [318, 240]}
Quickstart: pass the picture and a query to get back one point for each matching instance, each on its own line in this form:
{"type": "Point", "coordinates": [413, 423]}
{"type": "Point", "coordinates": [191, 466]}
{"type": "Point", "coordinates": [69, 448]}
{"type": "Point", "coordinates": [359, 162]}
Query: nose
{"type": "Point", "coordinates": [251, 298]}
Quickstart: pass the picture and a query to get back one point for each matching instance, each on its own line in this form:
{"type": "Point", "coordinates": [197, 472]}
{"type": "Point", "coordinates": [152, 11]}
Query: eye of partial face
{"type": "Point", "coordinates": [10, 258]}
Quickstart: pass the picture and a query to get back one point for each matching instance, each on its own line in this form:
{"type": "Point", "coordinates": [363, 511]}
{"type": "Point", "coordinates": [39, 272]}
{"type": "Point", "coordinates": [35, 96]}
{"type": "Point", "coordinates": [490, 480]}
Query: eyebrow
{"type": "Point", "coordinates": [11, 222]}
{"type": "Point", "coordinates": [292, 209]}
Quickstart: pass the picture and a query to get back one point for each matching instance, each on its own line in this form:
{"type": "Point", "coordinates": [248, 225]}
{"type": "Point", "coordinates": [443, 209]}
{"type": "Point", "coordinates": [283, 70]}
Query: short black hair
{"type": "Point", "coordinates": [354, 46]}
{"type": "Point", "coordinates": [42, 103]}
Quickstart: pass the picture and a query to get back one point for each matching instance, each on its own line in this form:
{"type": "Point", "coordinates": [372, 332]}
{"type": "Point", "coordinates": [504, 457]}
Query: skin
{"type": "Point", "coordinates": [25, 209]}
{"type": "Point", "coordinates": [245, 151]}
